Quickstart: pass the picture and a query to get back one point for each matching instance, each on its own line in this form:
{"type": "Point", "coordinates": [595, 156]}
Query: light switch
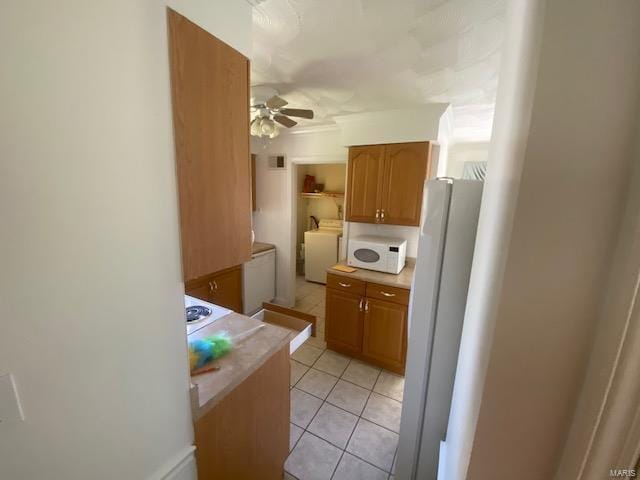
{"type": "Point", "coordinates": [10, 408]}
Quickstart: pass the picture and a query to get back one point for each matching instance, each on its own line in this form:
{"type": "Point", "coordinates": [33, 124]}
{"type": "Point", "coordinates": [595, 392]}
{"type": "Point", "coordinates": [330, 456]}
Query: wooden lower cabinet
{"type": "Point", "coordinates": [385, 336]}
{"type": "Point", "coordinates": [246, 435]}
{"type": "Point", "coordinates": [222, 288]}
{"type": "Point", "coordinates": [345, 329]}
{"type": "Point", "coordinates": [366, 327]}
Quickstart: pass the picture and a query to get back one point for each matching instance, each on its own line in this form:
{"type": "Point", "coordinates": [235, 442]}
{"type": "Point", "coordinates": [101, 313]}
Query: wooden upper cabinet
{"type": "Point", "coordinates": [364, 187]}
{"type": "Point", "coordinates": [405, 170]}
{"type": "Point", "coordinates": [210, 92]}
{"type": "Point", "coordinates": [386, 183]}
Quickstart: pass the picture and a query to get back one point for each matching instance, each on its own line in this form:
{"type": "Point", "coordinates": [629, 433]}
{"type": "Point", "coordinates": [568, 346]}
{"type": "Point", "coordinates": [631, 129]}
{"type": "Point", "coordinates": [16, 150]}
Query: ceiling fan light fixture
{"type": "Point", "coordinates": [267, 126]}
{"type": "Point", "coordinates": [275, 133]}
{"type": "Point", "coordinates": [255, 127]}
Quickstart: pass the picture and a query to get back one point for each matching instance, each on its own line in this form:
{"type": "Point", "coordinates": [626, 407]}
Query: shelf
{"type": "Point", "coordinates": [322, 195]}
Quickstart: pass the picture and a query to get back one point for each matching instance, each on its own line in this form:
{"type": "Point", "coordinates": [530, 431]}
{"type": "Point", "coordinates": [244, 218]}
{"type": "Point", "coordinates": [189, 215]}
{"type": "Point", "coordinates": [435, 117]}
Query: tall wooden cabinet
{"type": "Point", "coordinates": [210, 92]}
{"type": "Point", "coordinates": [386, 182]}
{"type": "Point", "coordinates": [367, 320]}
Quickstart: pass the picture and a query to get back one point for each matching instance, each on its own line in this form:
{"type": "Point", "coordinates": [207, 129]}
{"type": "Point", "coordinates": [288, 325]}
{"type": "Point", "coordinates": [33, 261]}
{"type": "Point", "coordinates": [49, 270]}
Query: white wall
{"type": "Point", "coordinates": [273, 221]}
{"type": "Point", "coordinates": [556, 185]}
{"type": "Point", "coordinates": [91, 287]}
{"type": "Point", "coordinates": [460, 153]}
{"type": "Point", "coordinates": [392, 126]}
{"type": "Point", "coordinates": [228, 20]}
{"type": "Point", "coordinates": [604, 431]}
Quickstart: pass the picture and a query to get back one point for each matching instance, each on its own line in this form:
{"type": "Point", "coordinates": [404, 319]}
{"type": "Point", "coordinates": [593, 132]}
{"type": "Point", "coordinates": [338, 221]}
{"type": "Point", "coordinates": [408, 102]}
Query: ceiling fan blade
{"type": "Point", "coordinates": [286, 121]}
{"type": "Point", "coordinates": [276, 102]}
{"type": "Point", "coordinates": [297, 112]}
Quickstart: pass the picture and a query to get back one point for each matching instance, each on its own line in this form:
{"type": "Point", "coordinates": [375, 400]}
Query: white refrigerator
{"type": "Point", "coordinates": [436, 313]}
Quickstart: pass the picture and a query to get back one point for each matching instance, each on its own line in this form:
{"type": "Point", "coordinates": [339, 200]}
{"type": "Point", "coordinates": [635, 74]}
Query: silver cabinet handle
{"type": "Point", "coordinates": [366, 306]}
{"type": "Point", "coordinates": [213, 286]}
{"type": "Point", "coordinates": [387, 294]}
{"type": "Point", "coordinates": [361, 307]}
{"type": "Point", "coordinates": [345, 285]}
{"type": "Point", "coordinates": [377, 214]}
{"type": "Point", "coordinates": [382, 215]}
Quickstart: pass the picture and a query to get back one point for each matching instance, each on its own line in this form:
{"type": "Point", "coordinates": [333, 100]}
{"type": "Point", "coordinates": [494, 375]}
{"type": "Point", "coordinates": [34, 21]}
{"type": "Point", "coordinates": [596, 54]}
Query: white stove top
{"type": "Point", "coordinates": [216, 313]}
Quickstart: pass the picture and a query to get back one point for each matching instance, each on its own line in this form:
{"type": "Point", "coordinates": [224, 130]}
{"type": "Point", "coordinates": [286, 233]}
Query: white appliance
{"type": "Point", "coordinates": [200, 313]}
{"type": "Point", "coordinates": [258, 281]}
{"type": "Point", "coordinates": [436, 314]}
{"type": "Point", "coordinates": [383, 254]}
{"type": "Point", "coordinates": [321, 249]}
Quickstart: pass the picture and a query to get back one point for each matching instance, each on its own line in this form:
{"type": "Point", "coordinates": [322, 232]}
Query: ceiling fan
{"type": "Point", "coordinates": [271, 111]}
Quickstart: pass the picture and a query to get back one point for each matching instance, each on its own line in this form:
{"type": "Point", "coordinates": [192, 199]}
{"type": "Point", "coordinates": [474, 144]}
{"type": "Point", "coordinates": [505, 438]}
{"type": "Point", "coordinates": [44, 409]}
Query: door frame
{"type": "Point", "coordinates": [292, 174]}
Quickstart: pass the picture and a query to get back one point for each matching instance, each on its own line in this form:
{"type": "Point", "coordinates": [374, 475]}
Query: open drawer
{"type": "Point", "coordinates": [302, 325]}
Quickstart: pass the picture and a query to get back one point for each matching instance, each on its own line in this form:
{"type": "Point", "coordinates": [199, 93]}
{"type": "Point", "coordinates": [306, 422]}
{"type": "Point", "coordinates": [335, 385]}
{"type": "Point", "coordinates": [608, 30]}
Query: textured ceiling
{"type": "Point", "coordinates": [343, 56]}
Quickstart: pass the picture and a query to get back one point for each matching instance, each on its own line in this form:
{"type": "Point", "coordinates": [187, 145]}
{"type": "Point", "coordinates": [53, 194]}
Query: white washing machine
{"type": "Point", "coordinates": [322, 249]}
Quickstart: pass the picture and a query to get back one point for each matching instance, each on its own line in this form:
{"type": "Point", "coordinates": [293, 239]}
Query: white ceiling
{"type": "Point", "coordinates": [343, 56]}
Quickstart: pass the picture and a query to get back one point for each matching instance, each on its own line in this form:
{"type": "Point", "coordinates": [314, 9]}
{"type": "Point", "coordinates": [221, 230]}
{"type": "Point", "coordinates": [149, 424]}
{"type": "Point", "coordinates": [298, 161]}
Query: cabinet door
{"type": "Point", "coordinates": [222, 288]}
{"type": "Point", "coordinates": [385, 334]}
{"type": "Point", "coordinates": [343, 321]}
{"type": "Point", "coordinates": [405, 171]}
{"type": "Point", "coordinates": [364, 183]}
{"type": "Point", "coordinates": [210, 94]}
{"type": "Point", "coordinates": [226, 289]}
{"type": "Point", "coordinates": [201, 292]}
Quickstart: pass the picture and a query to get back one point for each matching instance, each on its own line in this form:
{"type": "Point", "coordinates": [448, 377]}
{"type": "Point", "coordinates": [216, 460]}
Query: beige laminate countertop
{"type": "Point", "coordinates": [401, 280]}
{"type": "Point", "coordinates": [246, 357]}
{"type": "Point", "coordinates": [259, 247]}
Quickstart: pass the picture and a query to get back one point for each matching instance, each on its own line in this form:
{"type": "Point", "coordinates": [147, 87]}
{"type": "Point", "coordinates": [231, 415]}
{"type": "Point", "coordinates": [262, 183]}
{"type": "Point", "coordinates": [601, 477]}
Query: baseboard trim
{"type": "Point", "coordinates": [174, 468]}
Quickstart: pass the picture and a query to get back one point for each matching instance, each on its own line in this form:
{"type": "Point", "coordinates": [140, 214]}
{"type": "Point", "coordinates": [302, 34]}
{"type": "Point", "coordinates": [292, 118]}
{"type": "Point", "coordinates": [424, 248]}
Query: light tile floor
{"type": "Point", "coordinates": [345, 414]}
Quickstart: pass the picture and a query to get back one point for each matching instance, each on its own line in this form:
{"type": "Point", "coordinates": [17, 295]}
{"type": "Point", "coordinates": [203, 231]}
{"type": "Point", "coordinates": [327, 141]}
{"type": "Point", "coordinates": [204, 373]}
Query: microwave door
{"type": "Point", "coordinates": [367, 256]}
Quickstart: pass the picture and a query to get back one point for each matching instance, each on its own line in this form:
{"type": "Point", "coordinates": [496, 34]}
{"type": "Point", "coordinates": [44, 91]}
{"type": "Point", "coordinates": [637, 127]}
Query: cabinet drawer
{"type": "Point", "coordinates": [300, 324]}
{"type": "Point", "coordinates": [389, 294]}
{"type": "Point", "coordinates": [345, 284]}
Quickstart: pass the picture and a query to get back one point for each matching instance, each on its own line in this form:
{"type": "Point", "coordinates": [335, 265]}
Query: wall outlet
{"type": "Point", "coordinates": [10, 408]}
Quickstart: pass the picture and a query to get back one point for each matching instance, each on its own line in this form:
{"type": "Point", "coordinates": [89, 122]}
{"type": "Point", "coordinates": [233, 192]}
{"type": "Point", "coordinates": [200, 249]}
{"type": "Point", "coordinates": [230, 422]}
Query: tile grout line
{"type": "Point", "coordinates": [350, 453]}
{"type": "Point", "coordinates": [352, 431]}
{"type": "Point", "coordinates": [346, 411]}
{"type": "Point", "coordinates": [304, 430]}
{"type": "Point", "coordinates": [344, 450]}
{"type": "Point", "coordinates": [359, 417]}
{"type": "Point", "coordinates": [337, 406]}
{"type": "Point", "coordinates": [344, 379]}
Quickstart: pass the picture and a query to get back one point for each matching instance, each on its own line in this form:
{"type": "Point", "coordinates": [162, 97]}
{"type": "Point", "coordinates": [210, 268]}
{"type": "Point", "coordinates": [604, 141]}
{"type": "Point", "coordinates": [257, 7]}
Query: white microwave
{"type": "Point", "coordinates": [383, 254]}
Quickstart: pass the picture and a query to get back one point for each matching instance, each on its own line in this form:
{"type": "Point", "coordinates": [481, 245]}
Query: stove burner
{"type": "Point", "coordinates": [197, 312]}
